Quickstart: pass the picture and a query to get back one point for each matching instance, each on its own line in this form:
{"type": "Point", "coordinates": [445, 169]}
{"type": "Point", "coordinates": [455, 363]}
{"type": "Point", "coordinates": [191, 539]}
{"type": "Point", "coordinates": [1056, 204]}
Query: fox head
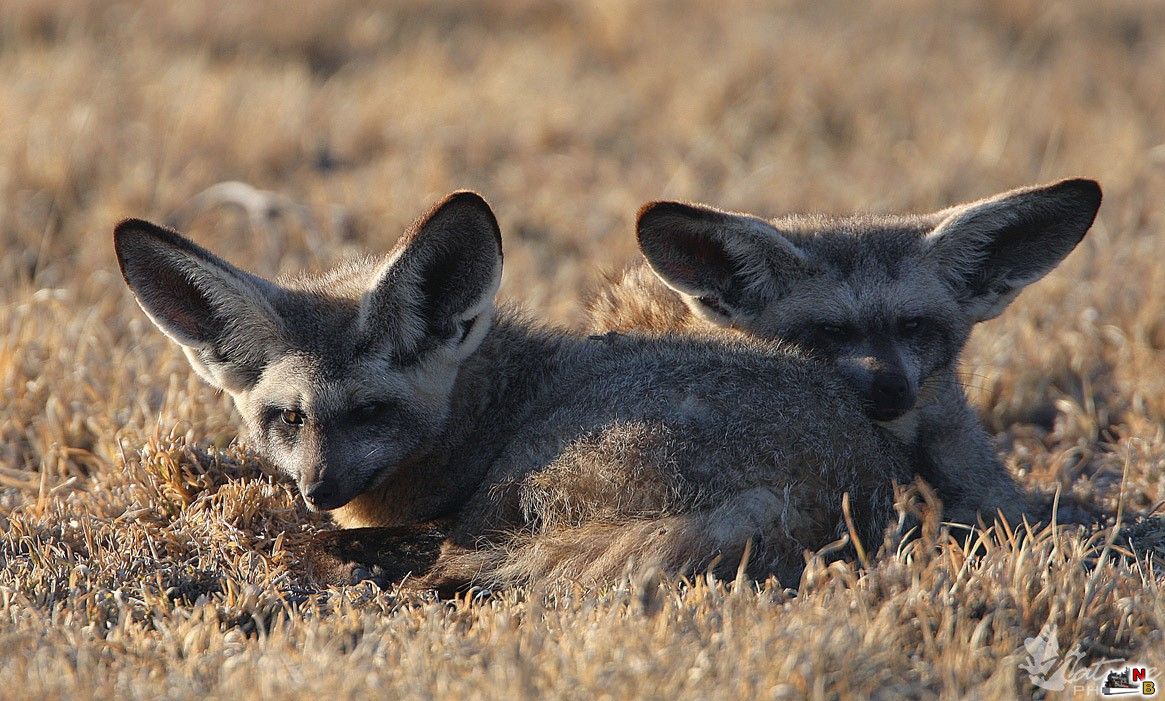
{"type": "Point", "coordinates": [342, 378]}
{"type": "Point", "coordinates": [889, 300]}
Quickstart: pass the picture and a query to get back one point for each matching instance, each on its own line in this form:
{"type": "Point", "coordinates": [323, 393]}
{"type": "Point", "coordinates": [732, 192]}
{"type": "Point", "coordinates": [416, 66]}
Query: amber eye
{"type": "Point", "coordinates": [291, 417]}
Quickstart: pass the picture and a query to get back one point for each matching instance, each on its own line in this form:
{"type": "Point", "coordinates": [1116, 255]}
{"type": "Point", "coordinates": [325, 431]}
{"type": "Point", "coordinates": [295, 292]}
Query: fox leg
{"type": "Point", "coordinates": [962, 465]}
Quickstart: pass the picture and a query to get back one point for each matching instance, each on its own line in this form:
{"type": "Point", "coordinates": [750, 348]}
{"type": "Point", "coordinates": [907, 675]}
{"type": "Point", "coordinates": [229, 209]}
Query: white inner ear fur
{"type": "Point", "coordinates": [986, 307]}
{"type": "Point", "coordinates": [172, 331]}
{"type": "Point", "coordinates": [707, 313]}
{"type": "Point", "coordinates": [481, 314]}
{"type": "Point", "coordinates": [409, 327]}
{"type": "Point", "coordinates": [201, 369]}
{"type": "Point", "coordinates": [432, 379]}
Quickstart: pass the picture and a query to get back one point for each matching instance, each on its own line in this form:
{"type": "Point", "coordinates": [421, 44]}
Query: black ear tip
{"type": "Point", "coordinates": [466, 198]}
{"type": "Point", "coordinates": [653, 212]}
{"type": "Point", "coordinates": [657, 208]}
{"type": "Point", "coordinates": [130, 227]}
{"type": "Point", "coordinates": [646, 219]}
{"type": "Point", "coordinates": [1085, 189]}
{"type": "Point", "coordinates": [128, 233]}
{"type": "Point", "coordinates": [137, 241]}
{"type": "Point", "coordinates": [129, 230]}
{"type": "Point", "coordinates": [470, 203]}
{"type": "Point", "coordinates": [658, 221]}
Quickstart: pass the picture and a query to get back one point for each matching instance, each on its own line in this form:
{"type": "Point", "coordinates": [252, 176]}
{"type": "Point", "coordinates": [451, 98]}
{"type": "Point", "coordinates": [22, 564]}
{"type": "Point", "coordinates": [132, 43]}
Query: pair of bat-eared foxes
{"type": "Point", "coordinates": [753, 391]}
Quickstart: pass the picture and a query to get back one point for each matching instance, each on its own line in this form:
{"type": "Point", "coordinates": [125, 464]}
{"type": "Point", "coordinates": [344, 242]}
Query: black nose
{"type": "Point", "coordinates": [890, 397]}
{"type": "Point", "coordinates": [319, 495]}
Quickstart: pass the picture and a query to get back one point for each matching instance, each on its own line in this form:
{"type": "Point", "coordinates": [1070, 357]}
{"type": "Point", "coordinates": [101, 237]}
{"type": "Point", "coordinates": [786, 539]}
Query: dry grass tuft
{"type": "Point", "coordinates": [143, 554]}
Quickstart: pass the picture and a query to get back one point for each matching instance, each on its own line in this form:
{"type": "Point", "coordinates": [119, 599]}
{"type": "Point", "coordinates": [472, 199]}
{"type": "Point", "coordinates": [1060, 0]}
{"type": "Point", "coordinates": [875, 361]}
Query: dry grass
{"type": "Point", "coordinates": [143, 555]}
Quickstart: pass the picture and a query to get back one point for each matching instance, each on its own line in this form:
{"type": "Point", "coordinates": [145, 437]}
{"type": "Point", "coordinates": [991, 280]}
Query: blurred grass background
{"type": "Point", "coordinates": [126, 513]}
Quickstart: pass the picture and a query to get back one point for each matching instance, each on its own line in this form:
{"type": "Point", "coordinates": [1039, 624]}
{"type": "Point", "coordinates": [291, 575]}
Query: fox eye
{"type": "Point", "coordinates": [291, 417]}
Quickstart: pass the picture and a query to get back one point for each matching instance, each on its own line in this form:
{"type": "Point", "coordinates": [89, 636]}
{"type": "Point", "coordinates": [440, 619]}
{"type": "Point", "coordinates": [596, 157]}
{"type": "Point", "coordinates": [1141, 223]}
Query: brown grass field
{"type": "Point", "coordinates": [145, 554]}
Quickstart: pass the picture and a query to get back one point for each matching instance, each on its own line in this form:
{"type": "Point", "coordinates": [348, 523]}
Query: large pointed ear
{"type": "Point", "coordinates": [436, 292]}
{"type": "Point", "coordinates": [222, 316]}
{"type": "Point", "coordinates": [728, 267]}
{"type": "Point", "coordinates": [990, 250]}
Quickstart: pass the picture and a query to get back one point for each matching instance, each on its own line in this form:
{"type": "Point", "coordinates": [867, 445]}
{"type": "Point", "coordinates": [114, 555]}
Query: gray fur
{"type": "Point", "coordinates": [552, 455]}
{"type": "Point", "coordinates": [888, 300]}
